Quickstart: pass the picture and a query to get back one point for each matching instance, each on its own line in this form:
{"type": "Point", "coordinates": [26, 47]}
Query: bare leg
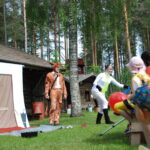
{"type": "Point", "coordinates": [144, 117]}
{"type": "Point", "coordinates": [146, 130]}
{"type": "Point", "coordinates": [126, 115]}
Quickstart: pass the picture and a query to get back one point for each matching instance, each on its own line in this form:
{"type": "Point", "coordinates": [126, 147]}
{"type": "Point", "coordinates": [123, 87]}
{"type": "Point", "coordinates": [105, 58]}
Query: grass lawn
{"type": "Point", "coordinates": [77, 138]}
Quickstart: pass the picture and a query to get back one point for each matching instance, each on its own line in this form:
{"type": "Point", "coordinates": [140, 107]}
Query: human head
{"type": "Point", "coordinates": [56, 67]}
{"type": "Point", "coordinates": [146, 57]}
{"type": "Point", "coordinates": [136, 65]}
{"type": "Point", "coordinates": [108, 68]}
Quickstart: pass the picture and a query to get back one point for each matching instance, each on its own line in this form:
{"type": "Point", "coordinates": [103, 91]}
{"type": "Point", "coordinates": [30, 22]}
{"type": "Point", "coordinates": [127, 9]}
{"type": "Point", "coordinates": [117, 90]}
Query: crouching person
{"type": "Point", "coordinates": [137, 67]}
{"type": "Point", "coordinates": [142, 109]}
{"type": "Point", "coordinates": [142, 103]}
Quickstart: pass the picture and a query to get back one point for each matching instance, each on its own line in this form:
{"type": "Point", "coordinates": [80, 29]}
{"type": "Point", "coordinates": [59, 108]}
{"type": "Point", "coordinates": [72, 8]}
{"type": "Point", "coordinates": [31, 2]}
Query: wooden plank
{"type": "Point", "coordinates": [136, 127]}
{"type": "Point", "coordinates": [135, 138]}
{"type": "Point", "coordinates": [136, 134]}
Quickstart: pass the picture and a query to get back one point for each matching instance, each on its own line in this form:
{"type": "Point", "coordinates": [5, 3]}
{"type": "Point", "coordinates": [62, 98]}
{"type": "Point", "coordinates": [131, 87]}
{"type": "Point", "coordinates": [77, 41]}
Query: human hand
{"type": "Point", "coordinates": [125, 86]}
{"type": "Point", "coordinates": [130, 96]}
{"type": "Point", "coordinates": [65, 97]}
{"type": "Point", "coordinates": [47, 96]}
{"type": "Point", "coordinates": [99, 88]}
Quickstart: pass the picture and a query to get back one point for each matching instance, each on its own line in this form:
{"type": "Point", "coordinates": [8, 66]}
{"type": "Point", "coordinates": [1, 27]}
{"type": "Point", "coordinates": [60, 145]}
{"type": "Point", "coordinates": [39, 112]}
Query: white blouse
{"type": "Point", "coordinates": [57, 82]}
{"type": "Point", "coordinates": [103, 80]}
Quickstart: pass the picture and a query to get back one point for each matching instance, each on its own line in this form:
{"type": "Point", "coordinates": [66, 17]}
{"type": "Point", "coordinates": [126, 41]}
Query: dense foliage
{"type": "Point", "coordinates": [100, 24]}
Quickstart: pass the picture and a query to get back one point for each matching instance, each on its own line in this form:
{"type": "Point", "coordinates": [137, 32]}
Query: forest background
{"type": "Point", "coordinates": [110, 31]}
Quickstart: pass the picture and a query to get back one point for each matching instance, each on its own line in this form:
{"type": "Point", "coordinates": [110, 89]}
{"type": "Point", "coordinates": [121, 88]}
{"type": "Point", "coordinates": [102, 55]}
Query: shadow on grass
{"type": "Point", "coordinates": [109, 138]}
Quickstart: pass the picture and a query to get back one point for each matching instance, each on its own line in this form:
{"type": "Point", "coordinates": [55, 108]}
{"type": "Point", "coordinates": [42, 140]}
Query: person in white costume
{"type": "Point", "coordinates": [100, 86]}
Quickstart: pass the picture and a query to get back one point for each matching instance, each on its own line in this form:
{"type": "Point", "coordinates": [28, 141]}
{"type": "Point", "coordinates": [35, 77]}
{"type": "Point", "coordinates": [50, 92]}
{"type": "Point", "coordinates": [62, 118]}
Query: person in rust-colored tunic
{"type": "Point", "coordinates": [55, 91]}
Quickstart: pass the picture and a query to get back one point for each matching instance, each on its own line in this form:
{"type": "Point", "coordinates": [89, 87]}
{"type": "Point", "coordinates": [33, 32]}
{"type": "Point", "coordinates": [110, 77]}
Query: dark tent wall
{"type": "Point", "coordinates": [33, 84]}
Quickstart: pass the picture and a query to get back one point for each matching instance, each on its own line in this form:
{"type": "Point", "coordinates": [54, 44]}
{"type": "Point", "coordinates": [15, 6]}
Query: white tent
{"type": "Point", "coordinates": [12, 107]}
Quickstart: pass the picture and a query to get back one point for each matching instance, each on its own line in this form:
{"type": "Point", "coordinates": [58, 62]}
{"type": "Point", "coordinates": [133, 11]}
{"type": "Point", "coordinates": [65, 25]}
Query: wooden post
{"type": "Point", "coordinates": [136, 133]}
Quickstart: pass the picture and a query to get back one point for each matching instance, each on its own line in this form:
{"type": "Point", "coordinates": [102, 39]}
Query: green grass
{"type": "Point", "coordinates": [77, 138]}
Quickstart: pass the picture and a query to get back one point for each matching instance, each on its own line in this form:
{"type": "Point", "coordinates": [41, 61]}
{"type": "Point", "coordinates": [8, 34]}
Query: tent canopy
{"type": "Point", "coordinates": [12, 107]}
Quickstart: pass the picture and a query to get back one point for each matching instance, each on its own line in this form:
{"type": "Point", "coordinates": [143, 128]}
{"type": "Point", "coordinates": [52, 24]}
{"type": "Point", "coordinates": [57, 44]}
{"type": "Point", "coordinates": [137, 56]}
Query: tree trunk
{"type": "Point", "coordinates": [48, 47]}
{"type": "Point", "coordinates": [127, 31]}
{"type": "Point", "coordinates": [15, 42]}
{"type": "Point", "coordinates": [93, 64]}
{"type": "Point", "coordinates": [5, 25]}
{"type": "Point", "coordinates": [74, 85]}
{"type": "Point", "coordinates": [95, 52]}
{"type": "Point", "coordinates": [59, 40]}
{"type": "Point", "coordinates": [66, 46]}
{"type": "Point", "coordinates": [41, 41]}
{"type": "Point", "coordinates": [116, 59]}
{"type": "Point", "coordinates": [93, 34]}
{"type": "Point", "coordinates": [34, 43]}
{"type": "Point", "coordinates": [25, 26]}
{"type": "Point", "coordinates": [84, 51]}
{"type": "Point", "coordinates": [93, 45]}
{"type": "Point", "coordinates": [55, 36]}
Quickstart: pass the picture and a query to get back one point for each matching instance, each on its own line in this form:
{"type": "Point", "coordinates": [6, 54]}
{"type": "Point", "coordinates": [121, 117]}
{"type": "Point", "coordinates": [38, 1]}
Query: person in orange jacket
{"type": "Point", "coordinates": [55, 91]}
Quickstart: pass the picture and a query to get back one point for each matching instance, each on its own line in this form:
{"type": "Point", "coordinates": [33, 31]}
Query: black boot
{"type": "Point", "coordinates": [99, 117]}
{"type": "Point", "coordinates": [107, 119]}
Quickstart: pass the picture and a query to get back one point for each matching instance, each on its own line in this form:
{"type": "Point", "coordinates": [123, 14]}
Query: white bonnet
{"type": "Point", "coordinates": [136, 65]}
